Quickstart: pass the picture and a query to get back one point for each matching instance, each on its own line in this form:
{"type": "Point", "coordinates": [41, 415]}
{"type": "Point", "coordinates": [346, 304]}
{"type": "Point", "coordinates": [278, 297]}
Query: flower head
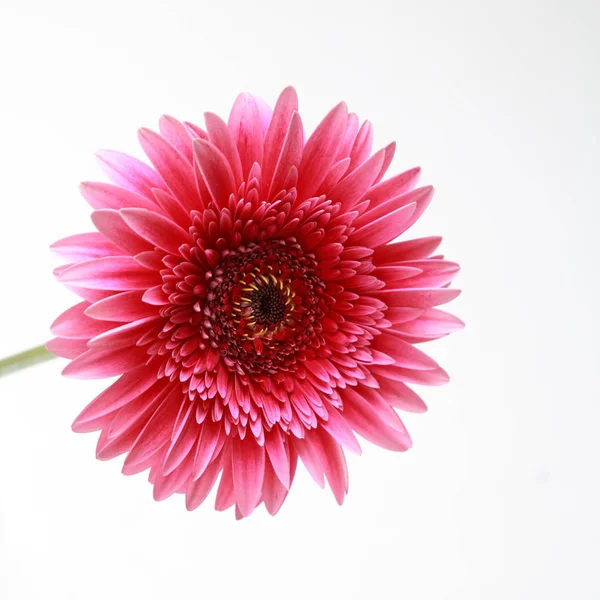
{"type": "Point", "coordinates": [248, 291]}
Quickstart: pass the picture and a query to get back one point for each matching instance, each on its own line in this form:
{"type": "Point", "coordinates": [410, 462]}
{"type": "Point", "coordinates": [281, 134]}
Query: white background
{"type": "Point", "coordinates": [498, 101]}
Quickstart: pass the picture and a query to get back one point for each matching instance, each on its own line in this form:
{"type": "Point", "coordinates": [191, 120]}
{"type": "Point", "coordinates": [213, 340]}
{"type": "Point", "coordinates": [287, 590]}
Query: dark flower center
{"type": "Point", "coordinates": [268, 304]}
{"type": "Point", "coordinates": [264, 305]}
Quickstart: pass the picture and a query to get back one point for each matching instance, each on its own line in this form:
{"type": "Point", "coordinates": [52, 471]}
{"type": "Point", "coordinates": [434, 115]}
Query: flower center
{"type": "Point", "coordinates": [268, 303]}
{"type": "Point", "coordinates": [264, 306]}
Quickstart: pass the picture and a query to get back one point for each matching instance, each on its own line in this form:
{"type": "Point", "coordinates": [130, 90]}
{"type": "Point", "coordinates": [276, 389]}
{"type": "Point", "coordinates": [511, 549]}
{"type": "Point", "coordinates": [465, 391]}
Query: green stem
{"type": "Point", "coordinates": [30, 357]}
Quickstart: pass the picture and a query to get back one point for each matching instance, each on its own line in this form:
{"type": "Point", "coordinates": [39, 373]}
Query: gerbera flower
{"type": "Point", "coordinates": [248, 291]}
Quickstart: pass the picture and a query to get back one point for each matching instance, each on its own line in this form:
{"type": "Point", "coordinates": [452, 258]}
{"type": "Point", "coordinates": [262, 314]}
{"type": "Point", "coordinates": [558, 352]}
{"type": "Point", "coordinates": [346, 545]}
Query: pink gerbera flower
{"type": "Point", "coordinates": [248, 291]}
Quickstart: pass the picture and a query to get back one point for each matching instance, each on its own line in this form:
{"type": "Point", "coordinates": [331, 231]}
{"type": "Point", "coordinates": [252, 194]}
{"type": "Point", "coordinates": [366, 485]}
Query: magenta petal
{"type": "Point", "coordinates": [390, 151]}
{"type": "Point", "coordinates": [278, 456]}
{"type": "Point", "coordinates": [320, 150]}
{"type": "Point", "coordinates": [205, 448]}
{"type": "Point", "coordinates": [421, 195]}
{"type": "Point", "coordinates": [125, 335]}
{"type": "Point", "coordinates": [405, 355]}
{"type": "Point", "coordinates": [248, 462]}
{"type": "Point", "coordinates": [416, 297]}
{"type": "Point", "coordinates": [198, 489]}
{"type": "Point", "coordinates": [158, 230]}
{"type": "Point", "coordinates": [85, 246]}
{"type": "Point", "coordinates": [285, 107]}
{"type": "Point", "coordinates": [393, 187]}
{"type": "Point", "coordinates": [111, 224]}
{"type": "Point", "coordinates": [409, 250]}
{"type": "Point", "coordinates": [337, 427]}
{"type": "Point", "coordinates": [225, 492]}
{"type": "Point", "coordinates": [100, 363]}
{"type": "Point", "coordinates": [66, 348]}
{"type": "Point", "coordinates": [220, 137]}
{"type": "Point", "coordinates": [291, 155]}
{"type": "Point", "coordinates": [333, 461]}
{"type": "Point", "coordinates": [310, 459]}
{"type": "Point", "coordinates": [214, 170]}
{"type": "Point", "coordinates": [157, 432]}
{"type": "Point", "coordinates": [74, 323]}
{"type": "Point", "coordinates": [367, 423]}
{"type": "Point", "coordinates": [432, 322]}
{"type": "Point", "coordinates": [123, 307]}
{"type": "Point", "coordinates": [362, 146]}
{"type": "Point", "coordinates": [385, 228]}
{"type": "Point", "coordinates": [274, 492]}
{"type": "Point", "coordinates": [173, 167]}
{"type": "Point", "coordinates": [350, 189]}
{"type": "Point", "coordinates": [399, 395]}
{"type": "Point", "coordinates": [246, 127]}
{"type": "Point", "coordinates": [117, 273]}
{"type": "Point", "coordinates": [177, 135]}
{"type": "Point", "coordinates": [105, 195]}
{"type": "Point", "coordinates": [129, 172]}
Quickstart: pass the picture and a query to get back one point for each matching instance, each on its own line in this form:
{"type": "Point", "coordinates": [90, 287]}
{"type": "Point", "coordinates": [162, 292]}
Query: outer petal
{"type": "Point", "coordinates": [246, 125]}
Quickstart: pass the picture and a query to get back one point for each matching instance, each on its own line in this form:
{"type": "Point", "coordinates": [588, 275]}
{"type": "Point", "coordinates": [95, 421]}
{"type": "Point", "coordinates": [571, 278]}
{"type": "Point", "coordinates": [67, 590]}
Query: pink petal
{"type": "Point", "coordinates": [74, 323]}
{"type": "Point", "coordinates": [433, 377]}
{"type": "Point", "coordinates": [220, 137]}
{"type": "Point", "coordinates": [390, 151]}
{"type": "Point", "coordinates": [182, 445]}
{"type": "Point", "coordinates": [432, 322]}
{"type": "Point", "coordinates": [404, 354]}
{"type": "Point", "coordinates": [408, 250]}
{"type": "Point", "coordinates": [248, 462]}
{"type": "Point", "coordinates": [274, 493]}
{"type": "Point", "coordinates": [205, 448]}
{"type": "Point", "coordinates": [167, 485]}
{"type": "Point", "coordinates": [291, 155]}
{"type": "Point", "coordinates": [349, 138]}
{"type": "Point", "coordinates": [157, 431]}
{"type": "Point", "coordinates": [401, 314]}
{"type": "Point", "coordinates": [66, 348]}
{"type": "Point", "coordinates": [351, 188]}
{"type": "Point", "coordinates": [278, 456]}
{"type": "Point", "coordinates": [391, 274]}
{"type": "Point", "coordinates": [156, 229]}
{"type": "Point", "coordinates": [320, 150]}
{"type": "Point", "coordinates": [155, 296]}
{"type": "Point", "coordinates": [117, 273]}
{"type": "Point", "coordinates": [416, 297]}
{"type": "Point", "coordinates": [286, 105]}
{"type": "Point", "coordinates": [124, 307]}
{"type": "Point", "coordinates": [420, 195]}
{"type": "Point", "coordinates": [173, 208]}
{"type": "Point", "coordinates": [129, 172]}
{"type": "Point", "coordinates": [215, 171]}
{"type": "Point", "coordinates": [393, 187]}
{"type": "Point", "coordinates": [399, 395]}
{"type": "Point", "coordinates": [339, 430]}
{"type": "Point", "coordinates": [368, 424]}
{"type": "Point", "coordinates": [105, 195]}
{"type": "Point", "coordinates": [246, 127]}
{"type": "Point", "coordinates": [173, 167]}
{"type": "Point", "coordinates": [385, 228]}
{"type": "Point", "coordinates": [84, 246]}
{"type": "Point", "coordinates": [177, 135]}
{"type": "Point", "coordinates": [362, 146]}
{"type": "Point", "coordinates": [225, 492]}
{"type": "Point", "coordinates": [333, 461]}
{"type": "Point", "coordinates": [125, 335]}
{"type": "Point", "coordinates": [198, 489]}
{"type": "Point", "coordinates": [310, 459]}
{"type": "Point", "coordinates": [111, 224]}
{"type": "Point", "coordinates": [100, 363]}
